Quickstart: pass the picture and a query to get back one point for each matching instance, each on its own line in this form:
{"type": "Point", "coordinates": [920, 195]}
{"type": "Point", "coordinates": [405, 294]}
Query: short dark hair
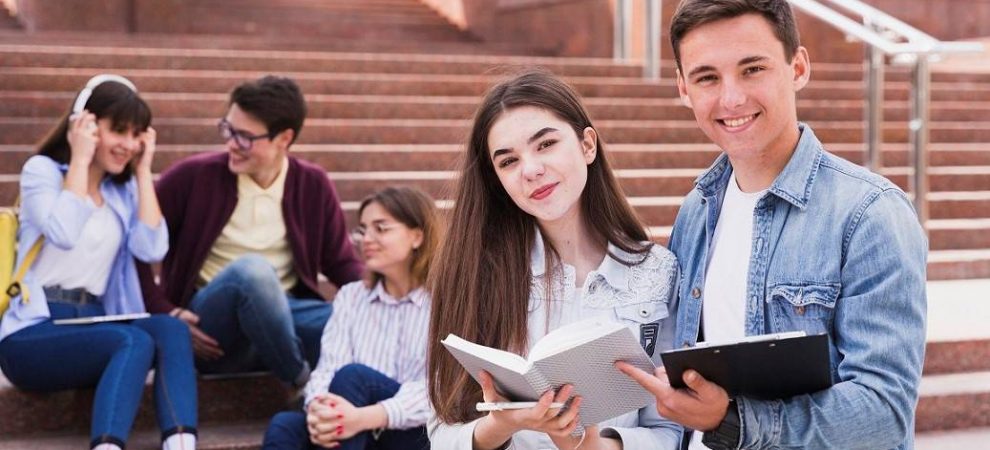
{"type": "Point", "coordinates": [109, 100]}
{"type": "Point", "coordinates": [691, 14]}
{"type": "Point", "coordinates": [275, 101]}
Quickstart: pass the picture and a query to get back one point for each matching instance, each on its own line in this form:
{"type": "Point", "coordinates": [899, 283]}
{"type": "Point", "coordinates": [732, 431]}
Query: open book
{"type": "Point", "coordinates": [582, 354]}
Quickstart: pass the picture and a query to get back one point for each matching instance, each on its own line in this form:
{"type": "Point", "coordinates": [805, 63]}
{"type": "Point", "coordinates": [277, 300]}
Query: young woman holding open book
{"type": "Point", "coordinates": [369, 388]}
{"type": "Point", "coordinates": [89, 198]}
{"type": "Point", "coordinates": [541, 236]}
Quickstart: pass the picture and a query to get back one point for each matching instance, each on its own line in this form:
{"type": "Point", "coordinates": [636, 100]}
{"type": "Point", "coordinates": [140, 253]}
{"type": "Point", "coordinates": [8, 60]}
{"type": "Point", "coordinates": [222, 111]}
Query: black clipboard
{"type": "Point", "coordinates": [769, 367]}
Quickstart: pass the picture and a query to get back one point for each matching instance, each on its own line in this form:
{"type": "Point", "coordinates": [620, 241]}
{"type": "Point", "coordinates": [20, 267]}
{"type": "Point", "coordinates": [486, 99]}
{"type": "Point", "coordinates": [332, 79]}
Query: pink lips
{"type": "Point", "coordinates": [543, 192]}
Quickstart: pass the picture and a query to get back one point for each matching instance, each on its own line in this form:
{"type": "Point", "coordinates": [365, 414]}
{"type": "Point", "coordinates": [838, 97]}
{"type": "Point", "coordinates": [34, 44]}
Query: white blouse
{"type": "Point", "coordinates": [641, 296]}
{"type": "Point", "coordinates": [88, 263]}
{"type": "Point", "coordinates": [370, 327]}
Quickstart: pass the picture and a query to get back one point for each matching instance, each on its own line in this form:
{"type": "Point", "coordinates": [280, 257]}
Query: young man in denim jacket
{"type": "Point", "coordinates": [780, 235]}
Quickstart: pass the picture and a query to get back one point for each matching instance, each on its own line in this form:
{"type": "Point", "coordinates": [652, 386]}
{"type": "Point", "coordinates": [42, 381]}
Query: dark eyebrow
{"type": "Point", "coordinates": [532, 138]}
{"type": "Point", "coordinates": [498, 152]}
{"type": "Point", "coordinates": [540, 134]}
{"type": "Point", "coordinates": [742, 62]}
{"type": "Point", "coordinates": [752, 59]}
{"type": "Point", "coordinates": [700, 69]}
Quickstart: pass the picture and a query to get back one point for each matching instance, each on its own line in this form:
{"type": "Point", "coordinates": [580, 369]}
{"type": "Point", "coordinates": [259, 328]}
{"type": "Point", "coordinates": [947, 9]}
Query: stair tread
{"type": "Point", "coordinates": [955, 384]}
{"type": "Point", "coordinates": [212, 436]}
{"type": "Point", "coordinates": [968, 439]}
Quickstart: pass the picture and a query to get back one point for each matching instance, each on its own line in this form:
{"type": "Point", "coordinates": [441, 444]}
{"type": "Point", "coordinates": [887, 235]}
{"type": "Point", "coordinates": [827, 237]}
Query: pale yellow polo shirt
{"type": "Point", "coordinates": [256, 226]}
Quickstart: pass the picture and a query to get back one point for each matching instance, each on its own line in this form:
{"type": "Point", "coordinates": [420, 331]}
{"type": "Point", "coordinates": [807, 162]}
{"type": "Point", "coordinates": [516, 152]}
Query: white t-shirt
{"type": "Point", "coordinates": [87, 264]}
{"type": "Point", "coordinates": [727, 274]}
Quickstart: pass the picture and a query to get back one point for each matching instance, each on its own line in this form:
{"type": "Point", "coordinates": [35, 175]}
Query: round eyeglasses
{"type": "Point", "coordinates": [242, 139]}
{"type": "Point", "coordinates": [376, 230]}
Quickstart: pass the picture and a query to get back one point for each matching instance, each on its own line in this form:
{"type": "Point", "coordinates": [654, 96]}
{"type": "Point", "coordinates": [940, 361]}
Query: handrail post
{"type": "Point", "coordinates": [651, 68]}
{"type": "Point", "coordinates": [918, 128]}
{"type": "Point", "coordinates": [873, 65]}
{"type": "Point", "coordinates": [621, 30]}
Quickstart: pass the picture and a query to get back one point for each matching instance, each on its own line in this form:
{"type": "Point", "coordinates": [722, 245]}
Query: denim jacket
{"type": "Point", "coordinates": [47, 209]}
{"type": "Point", "coordinates": [838, 250]}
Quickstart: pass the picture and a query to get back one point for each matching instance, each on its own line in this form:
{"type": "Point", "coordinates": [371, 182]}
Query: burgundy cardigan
{"type": "Point", "coordinates": [198, 196]}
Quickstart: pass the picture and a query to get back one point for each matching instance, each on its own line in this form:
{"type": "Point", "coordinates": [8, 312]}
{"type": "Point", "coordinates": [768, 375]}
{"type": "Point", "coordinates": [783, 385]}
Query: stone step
{"type": "Point", "coordinates": [954, 401]}
{"type": "Point", "coordinates": [333, 14]}
{"type": "Point", "coordinates": [964, 439]}
{"type": "Point", "coordinates": [249, 398]}
{"type": "Point", "coordinates": [431, 157]}
{"type": "Point", "coordinates": [213, 81]}
{"type": "Point", "coordinates": [58, 56]}
{"type": "Point", "coordinates": [322, 28]}
{"type": "Point", "coordinates": [212, 436]}
{"type": "Point", "coordinates": [8, 22]}
{"type": "Point", "coordinates": [204, 105]}
{"type": "Point", "coordinates": [957, 334]}
{"type": "Point", "coordinates": [634, 182]}
{"type": "Point", "coordinates": [26, 130]}
{"type": "Point", "coordinates": [956, 387]}
{"type": "Point", "coordinates": [959, 264]}
{"type": "Point", "coordinates": [109, 56]}
{"type": "Point", "coordinates": [402, 10]}
{"type": "Point", "coordinates": [957, 433]}
{"type": "Point", "coordinates": [287, 42]}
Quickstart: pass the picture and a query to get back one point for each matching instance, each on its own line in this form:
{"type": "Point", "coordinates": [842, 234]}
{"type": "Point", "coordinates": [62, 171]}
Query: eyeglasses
{"type": "Point", "coordinates": [243, 140]}
{"type": "Point", "coordinates": [378, 229]}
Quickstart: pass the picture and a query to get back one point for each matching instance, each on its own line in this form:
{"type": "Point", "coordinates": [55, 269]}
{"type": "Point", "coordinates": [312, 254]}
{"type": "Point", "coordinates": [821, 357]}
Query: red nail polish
{"type": "Point", "coordinates": [340, 416]}
{"type": "Point", "coordinates": [333, 405]}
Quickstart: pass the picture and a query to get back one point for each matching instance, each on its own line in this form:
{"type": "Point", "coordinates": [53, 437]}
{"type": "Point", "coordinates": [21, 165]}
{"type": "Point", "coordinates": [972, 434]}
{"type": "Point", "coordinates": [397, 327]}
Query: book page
{"type": "Point", "coordinates": [570, 336]}
{"type": "Point", "coordinates": [513, 376]}
{"type": "Point", "coordinates": [590, 368]}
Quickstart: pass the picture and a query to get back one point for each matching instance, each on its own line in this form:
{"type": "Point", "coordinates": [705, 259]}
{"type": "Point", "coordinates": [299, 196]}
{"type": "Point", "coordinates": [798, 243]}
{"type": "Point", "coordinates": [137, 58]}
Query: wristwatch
{"type": "Point", "coordinates": [726, 436]}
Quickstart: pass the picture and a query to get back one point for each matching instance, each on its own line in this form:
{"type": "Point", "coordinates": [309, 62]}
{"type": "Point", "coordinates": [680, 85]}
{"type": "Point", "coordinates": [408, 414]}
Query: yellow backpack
{"type": "Point", "coordinates": [10, 281]}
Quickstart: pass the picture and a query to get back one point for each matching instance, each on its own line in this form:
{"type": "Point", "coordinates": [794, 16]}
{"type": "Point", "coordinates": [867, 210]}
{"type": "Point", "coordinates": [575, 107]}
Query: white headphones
{"type": "Point", "coordinates": [87, 91]}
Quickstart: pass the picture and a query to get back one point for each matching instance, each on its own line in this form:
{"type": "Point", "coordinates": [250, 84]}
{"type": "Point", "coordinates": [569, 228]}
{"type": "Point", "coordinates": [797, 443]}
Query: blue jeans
{"type": "Point", "coordinates": [258, 327]}
{"type": "Point", "coordinates": [114, 357]}
{"type": "Point", "coordinates": [362, 386]}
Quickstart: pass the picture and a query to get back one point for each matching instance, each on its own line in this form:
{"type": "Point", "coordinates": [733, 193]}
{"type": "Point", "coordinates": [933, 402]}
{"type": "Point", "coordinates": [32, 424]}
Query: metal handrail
{"type": "Point", "coordinates": [917, 41]}
{"type": "Point", "coordinates": [884, 33]}
{"type": "Point", "coordinates": [622, 35]}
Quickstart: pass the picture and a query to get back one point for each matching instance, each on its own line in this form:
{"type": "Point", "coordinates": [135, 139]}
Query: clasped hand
{"type": "Point", "coordinates": [331, 418]}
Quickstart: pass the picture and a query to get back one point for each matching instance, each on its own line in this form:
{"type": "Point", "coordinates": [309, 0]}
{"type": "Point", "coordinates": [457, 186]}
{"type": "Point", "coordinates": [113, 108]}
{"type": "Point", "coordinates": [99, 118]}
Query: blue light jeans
{"type": "Point", "coordinates": [257, 325]}
{"type": "Point", "coordinates": [362, 386]}
{"type": "Point", "coordinates": [113, 357]}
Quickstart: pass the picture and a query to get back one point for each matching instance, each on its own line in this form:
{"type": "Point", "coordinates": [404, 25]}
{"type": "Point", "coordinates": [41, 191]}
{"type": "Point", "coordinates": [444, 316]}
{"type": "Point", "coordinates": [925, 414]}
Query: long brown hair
{"type": "Point", "coordinates": [112, 100]}
{"type": "Point", "coordinates": [481, 281]}
{"type": "Point", "coordinates": [416, 210]}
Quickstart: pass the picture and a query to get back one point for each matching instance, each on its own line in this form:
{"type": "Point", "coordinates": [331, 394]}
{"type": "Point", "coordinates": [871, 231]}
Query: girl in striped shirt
{"type": "Point", "coordinates": [369, 387]}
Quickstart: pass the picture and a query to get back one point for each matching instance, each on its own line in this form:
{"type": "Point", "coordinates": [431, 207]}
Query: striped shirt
{"type": "Point", "coordinates": [372, 328]}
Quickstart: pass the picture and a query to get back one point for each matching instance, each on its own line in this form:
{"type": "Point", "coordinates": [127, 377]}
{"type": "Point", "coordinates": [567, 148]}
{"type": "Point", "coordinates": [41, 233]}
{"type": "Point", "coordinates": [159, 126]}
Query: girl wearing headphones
{"type": "Point", "coordinates": [88, 196]}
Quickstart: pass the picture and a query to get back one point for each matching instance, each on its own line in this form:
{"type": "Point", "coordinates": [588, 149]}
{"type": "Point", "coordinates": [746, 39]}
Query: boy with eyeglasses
{"type": "Point", "coordinates": [250, 229]}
